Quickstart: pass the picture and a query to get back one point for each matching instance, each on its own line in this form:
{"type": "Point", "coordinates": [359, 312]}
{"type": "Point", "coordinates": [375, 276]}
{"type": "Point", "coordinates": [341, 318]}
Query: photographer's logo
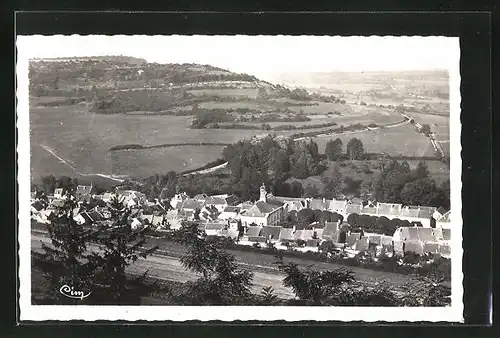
{"type": "Point", "coordinates": [70, 292]}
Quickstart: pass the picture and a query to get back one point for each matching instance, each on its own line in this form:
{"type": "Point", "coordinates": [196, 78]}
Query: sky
{"type": "Point", "coordinates": [259, 55]}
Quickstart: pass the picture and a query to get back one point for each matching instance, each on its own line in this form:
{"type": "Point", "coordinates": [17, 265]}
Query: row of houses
{"type": "Point", "coordinates": [259, 221]}
{"type": "Point", "coordinates": [270, 210]}
{"type": "Point", "coordinates": [415, 239]}
{"type": "Point", "coordinates": [142, 212]}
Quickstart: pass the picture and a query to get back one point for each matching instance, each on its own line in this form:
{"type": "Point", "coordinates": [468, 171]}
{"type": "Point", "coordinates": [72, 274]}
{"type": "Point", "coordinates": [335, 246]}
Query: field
{"type": "Point", "coordinates": [402, 140]}
{"type": "Point", "coordinates": [82, 139]}
{"type": "Point", "coordinates": [160, 160]}
{"type": "Point", "coordinates": [323, 108]}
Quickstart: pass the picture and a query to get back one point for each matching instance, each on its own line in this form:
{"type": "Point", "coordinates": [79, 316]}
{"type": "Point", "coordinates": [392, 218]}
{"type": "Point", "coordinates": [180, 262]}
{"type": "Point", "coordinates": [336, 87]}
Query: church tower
{"type": "Point", "coordinates": [263, 193]}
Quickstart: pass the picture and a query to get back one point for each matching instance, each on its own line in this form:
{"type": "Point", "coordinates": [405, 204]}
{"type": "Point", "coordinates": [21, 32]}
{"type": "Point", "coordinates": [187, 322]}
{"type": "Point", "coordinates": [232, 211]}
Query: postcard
{"type": "Point", "coordinates": [248, 178]}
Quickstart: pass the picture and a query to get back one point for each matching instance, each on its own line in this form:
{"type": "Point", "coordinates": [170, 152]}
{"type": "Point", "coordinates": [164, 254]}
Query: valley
{"type": "Point", "coordinates": [81, 110]}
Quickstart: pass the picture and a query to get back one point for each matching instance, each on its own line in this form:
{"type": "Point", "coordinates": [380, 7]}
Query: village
{"type": "Point", "coordinates": [271, 221]}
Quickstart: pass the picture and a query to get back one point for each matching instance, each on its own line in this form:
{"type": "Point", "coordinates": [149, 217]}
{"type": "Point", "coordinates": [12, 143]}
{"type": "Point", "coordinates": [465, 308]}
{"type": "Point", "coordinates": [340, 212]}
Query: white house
{"type": "Point", "coordinates": [264, 212]}
{"type": "Point", "coordinates": [337, 206]}
{"type": "Point", "coordinates": [208, 213]}
{"type": "Point", "coordinates": [107, 197]}
{"type": "Point", "coordinates": [131, 198]}
{"type": "Point", "coordinates": [178, 198]}
{"type": "Point", "coordinates": [59, 193]}
{"type": "Point", "coordinates": [173, 218]}
{"type": "Point", "coordinates": [229, 213]}
{"type": "Point", "coordinates": [444, 222]}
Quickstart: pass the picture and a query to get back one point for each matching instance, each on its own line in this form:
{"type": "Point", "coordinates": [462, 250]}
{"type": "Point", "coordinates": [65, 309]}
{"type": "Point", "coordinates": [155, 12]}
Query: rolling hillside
{"type": "Point", "coordinates": [83, 108]}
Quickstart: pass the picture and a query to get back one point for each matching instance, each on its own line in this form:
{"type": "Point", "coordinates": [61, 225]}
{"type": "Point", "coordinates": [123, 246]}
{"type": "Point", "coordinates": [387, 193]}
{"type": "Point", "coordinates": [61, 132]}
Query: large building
{"type": "Point", "coordinates": [264, 212]}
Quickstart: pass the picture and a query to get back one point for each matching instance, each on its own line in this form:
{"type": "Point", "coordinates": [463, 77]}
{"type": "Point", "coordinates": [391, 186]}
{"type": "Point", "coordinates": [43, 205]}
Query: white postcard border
{"type": "Point", "coordinates": [29, 312]}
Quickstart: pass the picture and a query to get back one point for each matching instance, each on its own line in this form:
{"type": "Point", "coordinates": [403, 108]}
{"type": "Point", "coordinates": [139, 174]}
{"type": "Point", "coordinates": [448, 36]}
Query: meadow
{"type": "Point", "coordinates": [82, 139]}
{"type": "Point", "coordinates": [397, 141]}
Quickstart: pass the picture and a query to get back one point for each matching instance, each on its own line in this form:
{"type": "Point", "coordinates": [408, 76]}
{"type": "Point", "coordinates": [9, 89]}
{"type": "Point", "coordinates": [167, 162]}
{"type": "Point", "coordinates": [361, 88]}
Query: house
{"type": "Point", "coordinates": [178, 198]}
{"type": "Point", "coordinates": [79, 219]}
{"type": "Point", "coordinates": [271, 233]}
{"type": "Point", "coordinates": [410, 213]}
{"type": "Point", "coordinates": [286, 235]}
{"type": "Point", "coordinates": [438, 213]}
{"type": "Point", "coordinates": [318, 233]}
{"type": "Point", "coordinates": [37, 206]}
{"type": "Point", "coordinates": [208, 213]}
{"type": "Point", "coordinates": [444, 222]}
{"type": "Point", "coordinates": [264, 212]}
{"type": "Point", "coordinates": [103, 211]}
{"type": "Point", "coordinates": [355, 200]}
{"type": "Point", "coordinates": [83, 191]}
{"type": "Point", "coordinates": [217, 202]}
{"type": "Point", "coordinates": [200, 198]}
{"type": "Point", "coordinates": [331, 231]}
{"type": "Point", "coordinates": [136, 224]}
{"type": "Point", "coordinates": [390, 210]}
{"type": "Point", "coordinates": [189, 205]}
{"type": "Point", "coordinates": [214, 229]}
{"type": "Point", "coordinates": [294, 206]}
{"type": "Point", "coordinates": [232, 200]}
{"type": "Point", "coordinates": [59, 193]}
{"type": "Point", "coordinates": [92, 217]}
{"type": "Point", "coordinates": [353, 209]}
{"type": "Point", "coordinates": [131, 198]}
{"type": "Point", "coordinates": [413, 239]}
{"type": "Point", "coordinates": [304, 235]}
{"type": "Point", "coordinates": [173, 219]}
{"type": "Point", "coordinates": [108, 197]}
{"type": "Point", "coordinates": [318, 204]}
{"type": "Point", "coordinates": [338, 206]}
{"type": "Point", "coordinates": [188, 215]}
{"type": "Point", "coordinates": [253, 231]}
{"type": "Point", "coordinates": [369, 210]}
{"type": "Point", "coordinates": [57, 203]}
{"type": "Point", "coordinates": [229, 212]}
{"type": "Point", "coordinates": [245, 206]}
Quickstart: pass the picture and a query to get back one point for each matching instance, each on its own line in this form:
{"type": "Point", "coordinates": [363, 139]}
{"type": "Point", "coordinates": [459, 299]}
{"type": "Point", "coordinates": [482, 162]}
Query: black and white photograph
{"type": "Point", "coordinates": [234, 177]}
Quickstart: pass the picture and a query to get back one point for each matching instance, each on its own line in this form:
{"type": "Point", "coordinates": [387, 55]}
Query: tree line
{"type": "Point", "coordinates": [397, 183]}
{"type": "Point", "coordinates": [271, 161]}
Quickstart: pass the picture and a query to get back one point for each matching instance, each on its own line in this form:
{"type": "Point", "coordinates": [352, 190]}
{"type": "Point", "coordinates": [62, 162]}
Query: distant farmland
{"type": "Point", "coordinates": [84, 139]}
{"type": "Point", "coordinates": [393, 141]}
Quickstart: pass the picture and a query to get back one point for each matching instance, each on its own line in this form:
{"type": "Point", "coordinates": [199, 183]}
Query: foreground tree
{"type": "Point", "coordinates": [122, 246]}
{"type": "Point", "coordinates": [65, 262]}
{"type": "Point", "coordinates": [314, 287]}
{"type": "Point", "coordinates": [222, 282]}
